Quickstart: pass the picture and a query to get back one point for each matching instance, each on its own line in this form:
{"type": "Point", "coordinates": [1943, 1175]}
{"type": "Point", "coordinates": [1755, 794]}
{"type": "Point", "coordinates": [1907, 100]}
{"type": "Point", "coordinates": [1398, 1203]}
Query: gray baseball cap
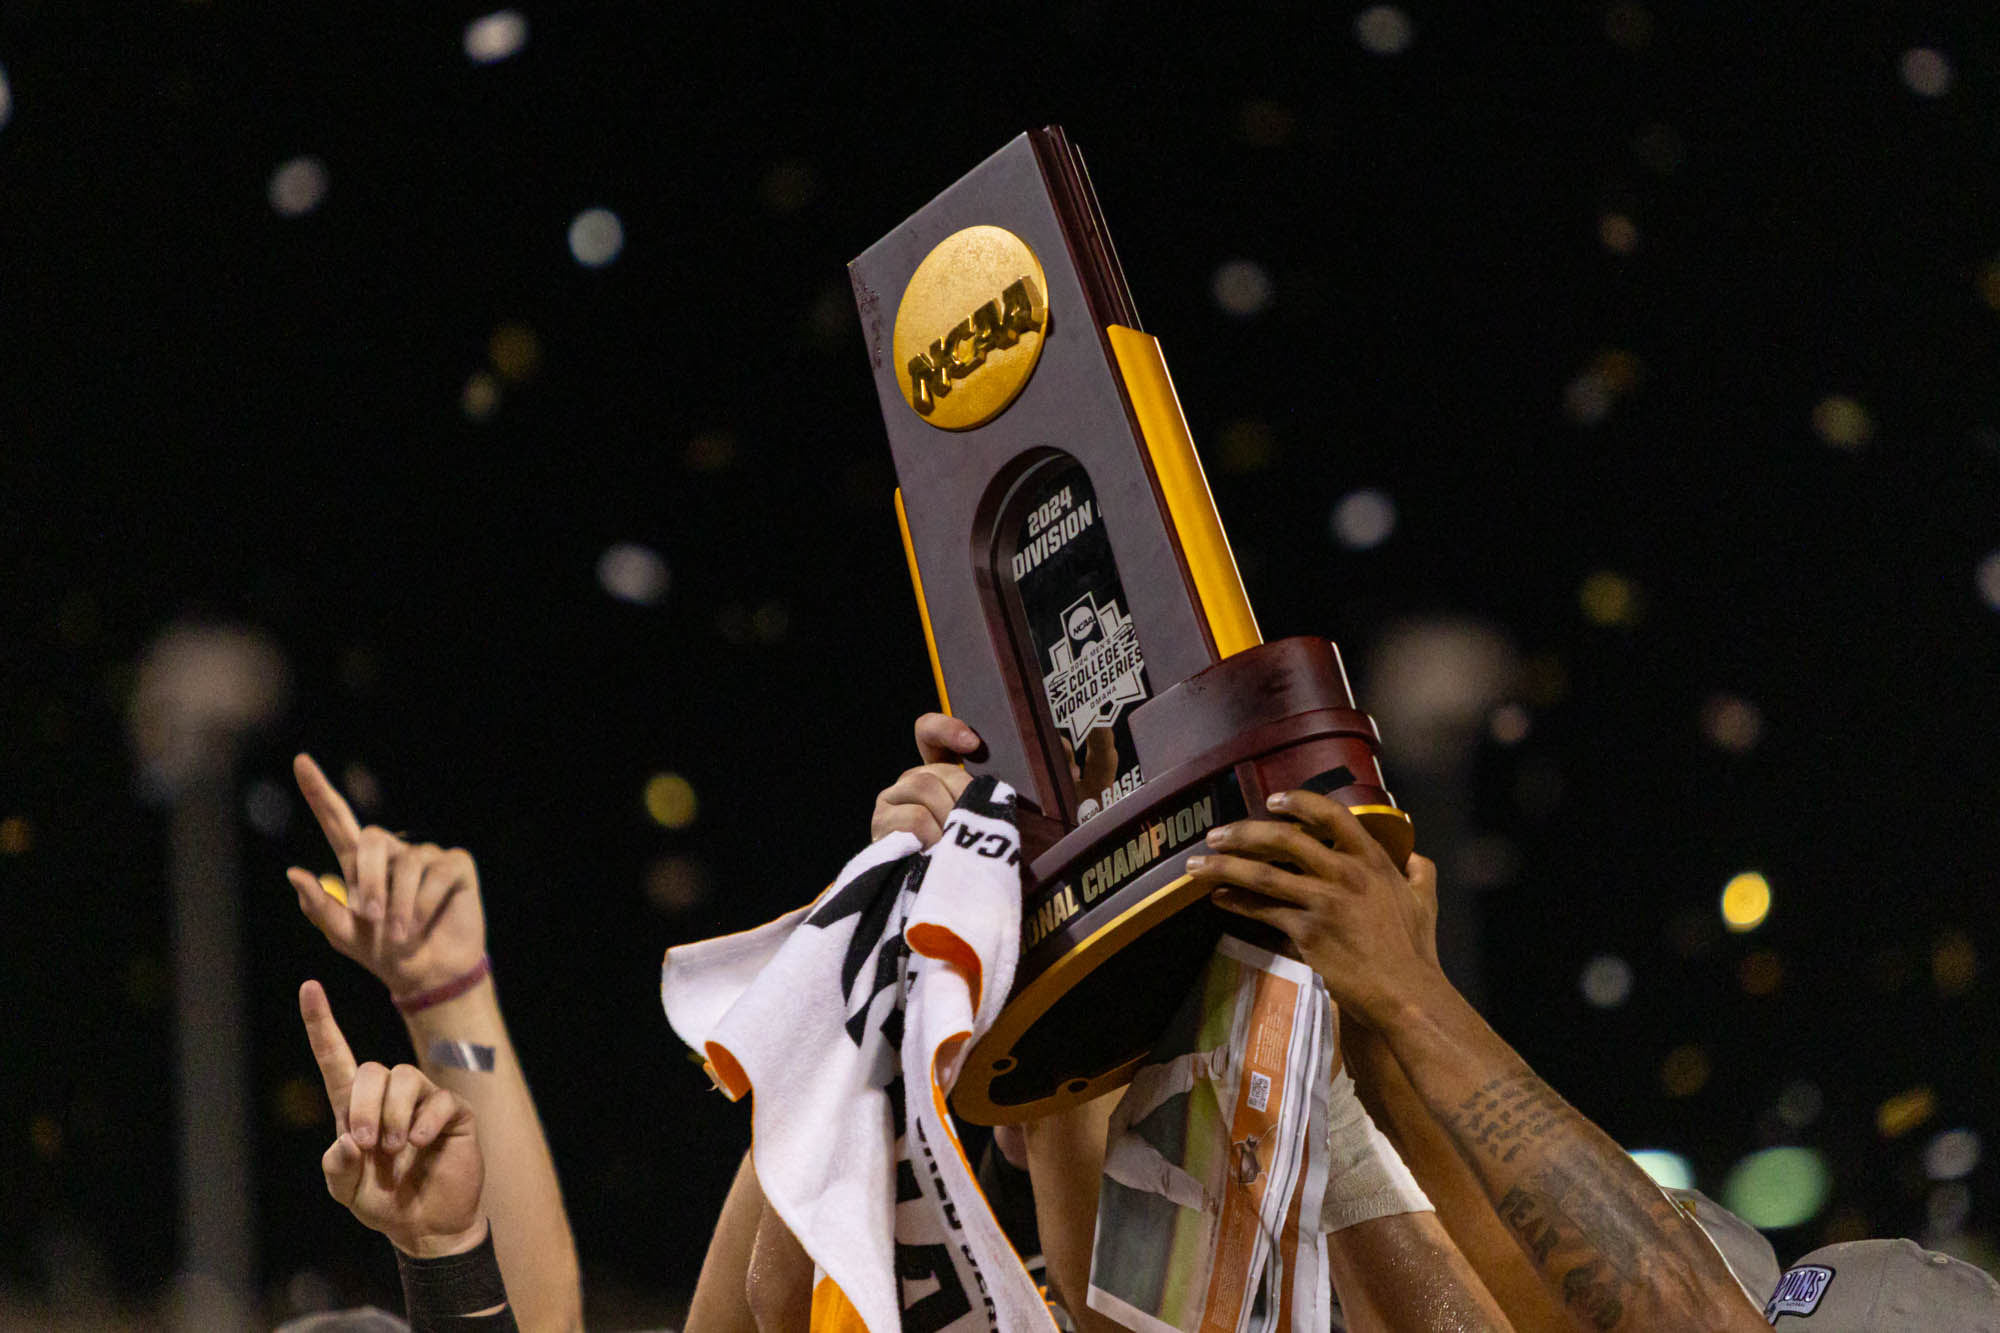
{"type": "Point", "coordinates": [1752, 1261]}
{"type": "Point", "coordinates": [1884, 1286]}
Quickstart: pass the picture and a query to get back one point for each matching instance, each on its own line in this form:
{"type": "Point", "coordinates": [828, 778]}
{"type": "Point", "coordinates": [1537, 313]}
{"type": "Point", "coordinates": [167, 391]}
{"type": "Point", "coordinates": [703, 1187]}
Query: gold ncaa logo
{"type": "Point", "coordinates": [970, 327]}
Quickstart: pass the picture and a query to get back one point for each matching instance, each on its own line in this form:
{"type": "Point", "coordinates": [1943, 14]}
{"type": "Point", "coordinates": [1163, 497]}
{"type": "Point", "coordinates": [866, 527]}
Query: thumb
{"type": "Point", "coordinates": [1423, 876]}
{"type": "Point", "coordinates": [1423, 879]}
{"type": "Point", "coordinates": [942, 738]}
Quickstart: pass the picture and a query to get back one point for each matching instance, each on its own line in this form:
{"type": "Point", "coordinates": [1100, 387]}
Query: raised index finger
{"type": "Point", "coordinates": [329, 1048]}
{"type": "Point", "coordinates": [336, 817]}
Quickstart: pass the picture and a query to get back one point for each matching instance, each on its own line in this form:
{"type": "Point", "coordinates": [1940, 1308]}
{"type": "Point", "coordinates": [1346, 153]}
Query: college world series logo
{"type": "Point", "coordinates": [1094, 669]}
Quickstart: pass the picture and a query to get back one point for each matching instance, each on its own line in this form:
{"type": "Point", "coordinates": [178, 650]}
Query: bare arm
{"type": "Point", "coordinates": [1065, 1164]}
{"type": "Point", "coordinates": [1455, 1191]}
{"type": "Point", "coordinates": [523, 1197]}
{"type": "Point", "coordinates": [1402, 1274]}
{"type": "Point", "coordinates": [721, 1294]}
{"type": "Point", "coordinates": [412, 915]}
{"type": "Point", "coordinates": [1603, 1239]}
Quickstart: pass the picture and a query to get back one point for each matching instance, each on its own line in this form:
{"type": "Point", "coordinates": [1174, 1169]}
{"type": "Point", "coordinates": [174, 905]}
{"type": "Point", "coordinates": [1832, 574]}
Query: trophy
{"type": "Point", "coordinates": [1084, 614]}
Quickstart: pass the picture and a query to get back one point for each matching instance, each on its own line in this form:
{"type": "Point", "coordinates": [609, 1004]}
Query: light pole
{"type": "Point", "coordinates": [201, 690]}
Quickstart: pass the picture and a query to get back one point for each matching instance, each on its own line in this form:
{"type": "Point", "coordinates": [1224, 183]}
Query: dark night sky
{"type": "Point", "coordinates": [210, 410]}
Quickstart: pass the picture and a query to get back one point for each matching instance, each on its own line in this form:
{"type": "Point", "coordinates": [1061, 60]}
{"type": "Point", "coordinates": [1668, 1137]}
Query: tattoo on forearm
{"type": "Point", "coordinates": [1590, 1281]}
{"type": "Point", "coordinates": [1582, 1237]}
{"type": "Point", "coordinates": [1608, 1225]}
{"type": "Point", "coordinates": [1507, 1114]}
{"type": "Point", "coordinates": [448, 1054]}
{"type": "Point", "coordinates": [1531, 1220]}
{"type": "Point", "coordinates": [1589, 1290]}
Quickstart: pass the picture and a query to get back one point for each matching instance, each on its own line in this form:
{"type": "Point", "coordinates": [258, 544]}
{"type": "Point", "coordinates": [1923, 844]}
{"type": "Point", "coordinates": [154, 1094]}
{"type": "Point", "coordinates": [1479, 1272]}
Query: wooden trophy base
{"type": "Point", "coordinates": [1114, 930]}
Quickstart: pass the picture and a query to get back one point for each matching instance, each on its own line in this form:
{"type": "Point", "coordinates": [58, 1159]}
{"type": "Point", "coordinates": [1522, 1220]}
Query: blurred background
{"type": "Point", "coordinates": [474, 398]}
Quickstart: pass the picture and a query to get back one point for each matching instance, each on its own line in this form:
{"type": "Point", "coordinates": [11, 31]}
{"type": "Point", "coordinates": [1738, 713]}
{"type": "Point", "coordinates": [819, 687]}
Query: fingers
{"type": "Point", "coordinates": [405, 1086]}
{"type": "Point", "coordinates": [920, 801]}
{"type": "Point", "coordinates": [443, 875]}
{"type": "Point", "coordinates": [364, 1103]}
{"type": "Point", "coordinates": [936, 787]}
{"type": "Point", "coordinates": [368, 886]}
{"type": "Point", "coordinates": [1260, 877]}
{"type": "Point", "coordinates": [406, 875]}
{"type": "Point", "coordinates": [324, 909]}
{"type": "Point", "coordinates": [438, 1111]}
{"type": "Point", "coordinates": [1288, 920]}
{"type": "Point", "coordinates": [1279, 841]}
{"type": "Point", "coordinates": [943, 739]}
{"type": "Point", "coordinates": [912, 819]}
{"type": "Point", "coordinates": [330, 1051]}
{"type": "Point", "coordinates": [330, 808]}
{"type": "Point", "coordinates": [341, 1165]}
{"type": "Point", "coordinates": [1333, 822]}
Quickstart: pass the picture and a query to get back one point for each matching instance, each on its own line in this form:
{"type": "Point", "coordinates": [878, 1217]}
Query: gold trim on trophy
{"type": "Point", "coordinates": [970, 327]}
{"type": "Point", "coordinates": [1184, 487]}
{"type": "Point", "coordinates": [972, 1096]}
{"type": "Point", "coordinates": [923, 607]}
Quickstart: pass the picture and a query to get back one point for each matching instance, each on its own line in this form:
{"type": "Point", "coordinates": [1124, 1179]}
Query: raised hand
{"type": "Point", "coordinates": [406, 1162]}
{"type": "Point", "coordinates": [1368, 929]}
{"type": "Point", "coordinates": [411, 914]}
{"type": "Point", "coordinates": [921, 799]}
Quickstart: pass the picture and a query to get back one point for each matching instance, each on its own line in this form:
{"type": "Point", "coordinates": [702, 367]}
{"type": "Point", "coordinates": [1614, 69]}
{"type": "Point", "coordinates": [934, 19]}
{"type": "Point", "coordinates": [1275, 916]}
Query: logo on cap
{"type": "Point", "coordinates": [1798, 1291]}
{"type": "Point", "coordinates": [970, 327]}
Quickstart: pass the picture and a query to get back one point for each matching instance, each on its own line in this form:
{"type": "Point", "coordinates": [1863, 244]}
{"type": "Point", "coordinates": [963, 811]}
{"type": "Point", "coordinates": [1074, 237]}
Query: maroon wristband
{"type": "Point", "coordinates": [451, 990]}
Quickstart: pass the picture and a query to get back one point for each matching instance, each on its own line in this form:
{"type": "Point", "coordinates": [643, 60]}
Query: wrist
{"type": "Point", "coordinates": [417, 999]}
{"type": "Point", "coordinates": [470, 1016]}
{"type": "Point", "coordinates": [1396, 1012]}
{"type": "Point", "coordinates": [443, 1245]}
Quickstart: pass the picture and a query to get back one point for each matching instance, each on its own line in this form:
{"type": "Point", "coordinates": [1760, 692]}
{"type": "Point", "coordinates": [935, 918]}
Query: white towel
{"type": "Point", "coordinates": [829, 1014]}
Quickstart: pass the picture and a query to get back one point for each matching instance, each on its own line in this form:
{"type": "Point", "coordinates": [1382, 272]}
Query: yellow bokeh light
{"type": "Point", "coordinates": [17, 835]}
{"type": "Point", "coordinates": [1685, 1071]}
{"type": "Point", "coordinates": [1609, 599]}
{"type": "Point", "coordinates": [1954, 963]}
{"type": "Point", "coordinates": [480, 398]}
{"type": "Point", "coordinates": [298, 1103]}
{"type": "Point", "coordinates": [1617, 368]}
{"type": "Point", "coordinates": [670, 800]}
{"type": "Point", "coordinates": [1761, 973]}
{"type": "Point", "coordinates": [515, 351]}
{"type": "Point", "coordinates": [711, 451]}
{"type": "Point", "coordinates": [1746, 901]}
{"type": "Point", "coordinates": [1905, 1111]}
{"type": "Point", "coordinates": [1842, 422]}
{"type": "Point", "coordinates": [1989, 283]}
